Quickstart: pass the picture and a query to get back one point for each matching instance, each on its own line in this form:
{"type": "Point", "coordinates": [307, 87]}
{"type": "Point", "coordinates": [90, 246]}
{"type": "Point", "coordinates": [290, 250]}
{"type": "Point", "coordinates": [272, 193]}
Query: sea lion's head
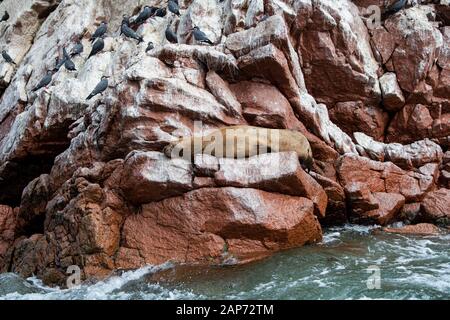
{"type": "Point", "coordinates": [308, 161]}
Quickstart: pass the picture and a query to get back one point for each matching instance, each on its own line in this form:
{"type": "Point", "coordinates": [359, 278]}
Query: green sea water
{"type": "Point", "coordinates": [352, 262]}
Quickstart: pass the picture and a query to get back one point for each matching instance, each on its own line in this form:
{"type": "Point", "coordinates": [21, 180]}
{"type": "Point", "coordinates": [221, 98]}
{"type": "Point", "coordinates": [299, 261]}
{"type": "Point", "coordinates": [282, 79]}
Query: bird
{"type": "Point", "coordinates": [160, 12]}
{"type": "Point", "coordinates": [150, 46]}
{"type": "Point", "coordinates": [45, 81]}
{"type": "Point", "coordinates": [101, 30]}
{"type": "Point", "coordinates": [170, 35]}
{"type": "Point", "coordinates": [145, 14]}
{"type": "Point", "coordinates": [58, 63]}
{"type": "Point", "coordinates": [98, 46]}
{"type": "Point", "coordinates": [397, 6]}
{"type": "Point", "coordinates": [126, 19]}
{"type": "Point", "coordinates": [68, 63]}
{"type": "Point", "coordinates": [394, 8]}
{"type": "Point", "coordinates": [5, 17]}
{"type": "Point", "coordinates": [99, 88]}
{"type": "Point", "coordinates": [128, 32]}
{"type": "Point", "coordinates": [264, 18]}
{"type": "Point", "coordinates": [7, 57]}
{"type": "Point", "coordinates": [200, 36]}
{"type": "Point", "coordinates": [173, 7]}
{"type": "Point", "coordinates": [77, 49]}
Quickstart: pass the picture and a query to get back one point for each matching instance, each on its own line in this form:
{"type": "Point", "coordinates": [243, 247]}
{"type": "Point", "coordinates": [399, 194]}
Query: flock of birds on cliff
{"type": "Point", "coordinates": [127, 29]}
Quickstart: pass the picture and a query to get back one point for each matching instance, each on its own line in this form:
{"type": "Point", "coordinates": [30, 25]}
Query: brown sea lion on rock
{"type": "Point", "coordinates": [242, 142]}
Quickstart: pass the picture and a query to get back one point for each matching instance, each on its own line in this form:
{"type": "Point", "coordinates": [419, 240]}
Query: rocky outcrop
{"type": "Point", "coordinates": [91, 186]}
{"type": "Point", "coordinates": [435, 207]}
{"type": "Point", "coordinates": [367, 207]}
{"type": "Point", "coordinates": [7, 235]}
{"type": "Point", "coordinates": [417, 229]}
{"type": "Point", "coordinates": [386, 177]}
{"type": "Point", "coordinates": [409, 156]}
{"type": "Point", "coordinates": [217, 225]}
{"type": "Point", "coordinates": [376, 191]}
{"type": "Point", "coordinates": [413, 48]}
{"type": "Point", "coordinates": [279, 172]}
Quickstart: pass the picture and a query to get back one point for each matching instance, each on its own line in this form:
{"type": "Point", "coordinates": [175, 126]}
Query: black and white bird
{"type": "Point", "coordinates": [68, 63]}
{"type": "Point", "coordinates": [173, 7]}
{"type": "Point", "coordinates": [200, 36]}
{"type": "Point", "coordinates": [7, 57]}
{"type": "Point", "coordinates": [150, 46]}
{"type": "Point", "coordinates": [101, 30]}
{"type": "Point", "coordinates": [45, 81]}
{"type": "Point", "coordinates": [170, 35]}
{"type": "Point", "coordinates": [98, 46]}
{"type": "Point", "coordinates": [145, 14]}
{"type": "Point", "coordinates": [5, 17]}
{"type": "Point", "coordinates": [99, 88]}
{"type": "Point", "coordinates": [77, 49]}
{"type": "Point", "coordinates": [130, 33]}
{"type": "Point", "coordinates": [160, 12]}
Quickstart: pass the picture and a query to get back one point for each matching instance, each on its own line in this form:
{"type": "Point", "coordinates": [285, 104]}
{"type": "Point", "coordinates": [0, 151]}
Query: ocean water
{"type": "Point", "coordinates": [352, 262]}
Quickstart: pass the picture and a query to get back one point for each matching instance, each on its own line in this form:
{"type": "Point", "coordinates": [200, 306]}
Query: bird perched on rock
{"type": "Point", "coordinates": [264, 18]}
{"type": "Point", "coordinates": [128, 32]}
{"type": "Point", "coordinates": [200, 36]}
{"type": "Point", "coordinates": [394, 8]}
{"type": "Point", "coordinates": [68, 63]}
{"type": "Point", "coordinates": [99, 88]}
{"type": "Point", "coordinates": [77, 49]}
{"type": "Point", "coordinates": [126, 20]}
{"type": "Point", "coordinates": [145, 14]}
{"type": "Point", "coordinates": [98, 46]}
{"type": "Point", "coordinates": [7, 57]}
{"type": "Point", "coordinates": [170, 35]}
{"type": "Point", "coordinates": [45, 81]}
{"type": "Point", "coordinates": [160, 12]}
{"type": "Point", "coordinates": [5, 17]}
{"type": "Point", "coordinates": [101, 30]}
{"type": "Point", "coordinates": [150, 46]}
{"type": "Point", "coordinates": [58, 63]}
{"type": "Point", "coordinates": [397, 6]}
{"type": "Point", "coordinates": [173, 7]}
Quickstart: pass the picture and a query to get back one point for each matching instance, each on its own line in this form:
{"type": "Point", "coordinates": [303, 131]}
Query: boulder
{"type": "Point", "coordinates": [208, 225]}
{"type": "Point", "coordinates": [337, 58]}
{"type": "Point", "coordinates": [336, 213]}
{"type": "Point", "coordinates": [385, 177]}
{"type": "Point", "coordinates": [422, 229]}
{"type": "Point", "coordinates": [393, 99]}
{"type": "Point", "coordinates": [355, 116]}
{"type": "Point", "coordinates": [435, 207]}
{"type": "Point", "coordinates": [7, 234]}
{"type": "Point", "coordinates": [151, 176]}
{"type": "Point", "coordinates": [409, 156]}
{"type": "Point", "coordinates": [372, 208]}
{"type": "Point", "coordinates": [274, 172]}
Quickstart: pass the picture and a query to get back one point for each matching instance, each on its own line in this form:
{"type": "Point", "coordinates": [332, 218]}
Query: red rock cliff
{"type": "Point", "coordinates": [86, 183]}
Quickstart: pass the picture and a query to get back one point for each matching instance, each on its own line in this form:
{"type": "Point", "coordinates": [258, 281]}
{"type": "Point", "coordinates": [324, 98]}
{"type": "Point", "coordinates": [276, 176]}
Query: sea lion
{"type": "Point", "coordinates": [242, 142]}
